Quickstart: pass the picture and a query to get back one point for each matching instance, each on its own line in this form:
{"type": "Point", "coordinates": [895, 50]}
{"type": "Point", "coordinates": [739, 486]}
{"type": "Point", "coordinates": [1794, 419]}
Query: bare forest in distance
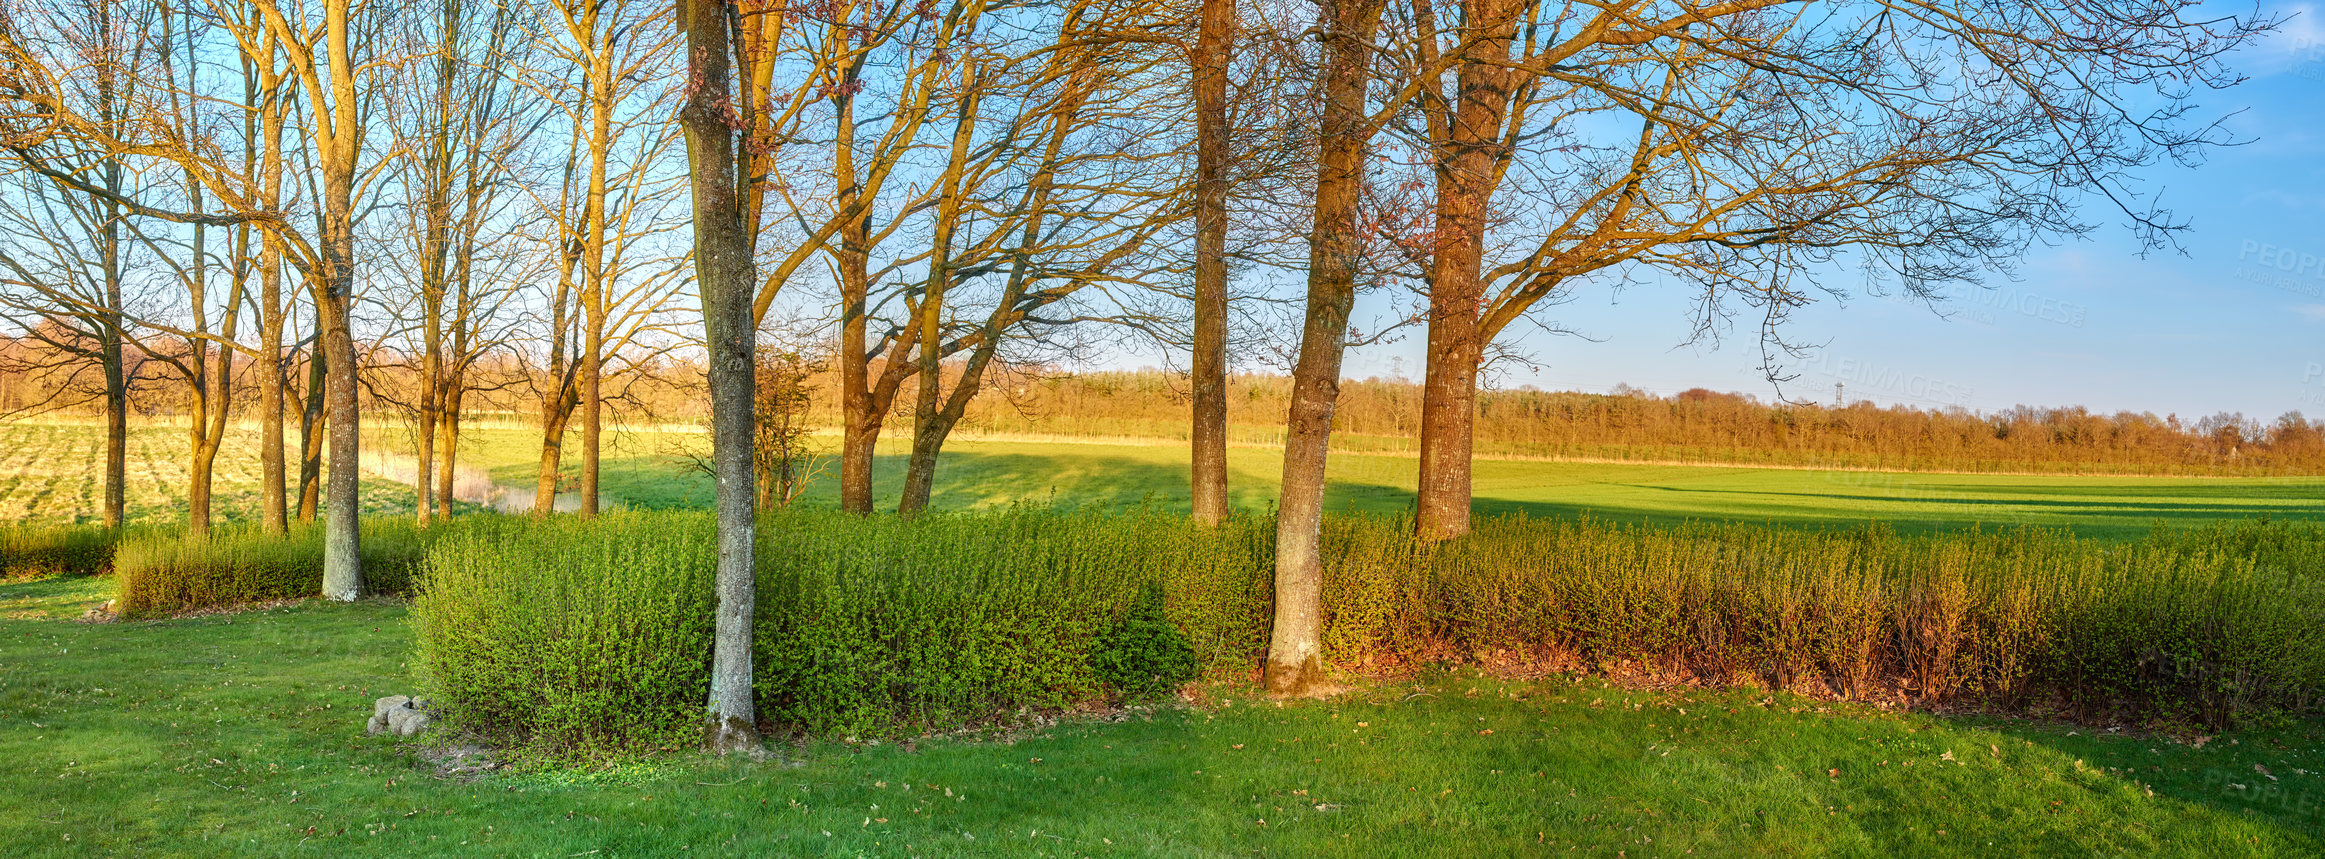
{"type": "Point", "coordinates": [1375, 415]}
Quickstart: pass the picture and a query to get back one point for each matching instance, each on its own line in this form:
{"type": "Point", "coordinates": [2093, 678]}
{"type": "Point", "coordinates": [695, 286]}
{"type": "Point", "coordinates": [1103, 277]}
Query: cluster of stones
{"type": "Point", "coordinates": [401, 715]}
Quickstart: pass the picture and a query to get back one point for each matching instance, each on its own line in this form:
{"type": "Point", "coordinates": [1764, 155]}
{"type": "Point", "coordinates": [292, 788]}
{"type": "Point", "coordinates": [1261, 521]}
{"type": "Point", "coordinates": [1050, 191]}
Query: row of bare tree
{"type": "Point", "coordinates": [961, 182]}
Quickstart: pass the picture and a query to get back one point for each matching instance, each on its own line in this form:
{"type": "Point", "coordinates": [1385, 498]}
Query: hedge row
{"type": "Point", "coordinates": [165, 573]}
{"type": "Point", "coordinates": [587, 638]}
{"type": "Point", "coordinates": [41, 551]}
{"type": "Point", "coordinates": [591, 638]}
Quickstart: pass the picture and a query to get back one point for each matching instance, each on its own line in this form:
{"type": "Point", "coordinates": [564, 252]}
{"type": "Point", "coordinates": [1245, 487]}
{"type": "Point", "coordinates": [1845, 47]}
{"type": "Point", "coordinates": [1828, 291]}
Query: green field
{"type": "Point", "coordinates": [640, 472]}
{"type": "Point", "coordinates": [49, 473]}
{"type": "Point", "coordinates": [53, 473]}
{"type": "Point", "coordinates": [242, 735]}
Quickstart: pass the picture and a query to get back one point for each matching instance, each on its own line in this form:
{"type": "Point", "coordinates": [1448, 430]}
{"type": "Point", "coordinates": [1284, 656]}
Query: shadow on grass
{"type": "Point", "coordinates": [2272, 774]}
{"type": "Point", "coordinates": [53, 598]}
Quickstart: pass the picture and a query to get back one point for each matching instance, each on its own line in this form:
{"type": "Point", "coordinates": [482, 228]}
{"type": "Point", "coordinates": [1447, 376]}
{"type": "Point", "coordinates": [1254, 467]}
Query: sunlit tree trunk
{"type": "Point", "coordinates": [1468, 169]}
{"type": "Point", "coordinates": [1208, 433]}
{"type": "Point", "coordinates": [724, 273]}
{"type": "Point", "coordinates": [1295, 657]}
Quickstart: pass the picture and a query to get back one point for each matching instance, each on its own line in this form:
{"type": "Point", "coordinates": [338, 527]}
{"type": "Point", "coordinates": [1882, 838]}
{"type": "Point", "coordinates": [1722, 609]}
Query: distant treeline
{"type": "Point", "coordinates": [1383, 415]}
{"type": "Point", "coordinates": [1693, 426]}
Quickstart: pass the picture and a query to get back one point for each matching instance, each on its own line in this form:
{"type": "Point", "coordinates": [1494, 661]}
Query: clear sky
{"type": "Point", "coordinates": [2232, 321]}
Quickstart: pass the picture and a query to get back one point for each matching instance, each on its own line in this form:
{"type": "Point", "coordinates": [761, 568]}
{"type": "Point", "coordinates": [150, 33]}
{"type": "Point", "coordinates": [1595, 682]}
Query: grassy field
{"type": "Point", "coordinates": [640, 471]}
{"type": "Point", "coordinates": [242, 735]}
{"type": "Point", "coordinates": [49, 473]}
{"type": "Point", "coordinates": [53, 473]}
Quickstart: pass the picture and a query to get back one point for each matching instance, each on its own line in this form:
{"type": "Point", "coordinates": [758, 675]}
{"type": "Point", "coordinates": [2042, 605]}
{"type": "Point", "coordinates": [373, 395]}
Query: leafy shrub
{"type": "Point", "coordinates": [1144, 654]}
{"type": "Point", "coordinates": [578, 636]}
{"type": "Point", "coordinates": [37, 552]}
{"type": "Point", "coordinates": [576, 639]}
{"type": "Point", "coordinates": [165, 573]}
{"type": "Point", "coordinates": [870, 626]}
{"type": "Point", "coordinates": [571, 637]}
{"type": "Point", "coordinates": [2198, 625]}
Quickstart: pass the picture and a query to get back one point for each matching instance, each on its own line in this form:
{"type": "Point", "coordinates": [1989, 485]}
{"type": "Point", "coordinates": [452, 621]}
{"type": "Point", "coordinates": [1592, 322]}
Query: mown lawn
{"type": "Point", "coordinates": [48, 474]}
{"type": "Point", "coordinates": [241, 734]}
{"type": "Point", "coordinates": [640, 471]}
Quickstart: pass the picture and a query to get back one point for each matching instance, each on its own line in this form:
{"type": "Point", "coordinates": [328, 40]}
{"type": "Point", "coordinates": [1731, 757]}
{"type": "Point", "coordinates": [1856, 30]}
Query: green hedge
{"type": "Point", "coordinates": [41, 551]}
{"type": "Point", "coordinates": [584, 639]}
{"type": "Point", "coordinates": [878, 624]}
{"type": "Point", "coordinates": [572, 637]}
{"type": "Point", "coordinates": [164, 573]}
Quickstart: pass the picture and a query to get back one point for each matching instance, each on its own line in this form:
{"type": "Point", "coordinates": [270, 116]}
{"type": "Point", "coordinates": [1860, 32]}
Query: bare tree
{"type": "Point", "coordinates": [318, 45]}
{"type": "Point", "coordinates": [1207, 433]}
{"type": "Point", "coordinates": [1054, 200]}
{"type": "Point", "coordinates": [728, 49]}
{"type": "Point", "coordinates": [461, 133]}
{"type": "Point", "coordinates": [613, 286]}
{"type": "Point", "coordinates": [1743, 147]}
{"type": "Point", "coordinates": [1295, 658]}
{"type": "Point", "coordinates": [85, 60]}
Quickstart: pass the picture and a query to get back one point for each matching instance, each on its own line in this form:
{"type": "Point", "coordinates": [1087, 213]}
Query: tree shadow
{"type": "Point", "coordinates": [2230, 773]}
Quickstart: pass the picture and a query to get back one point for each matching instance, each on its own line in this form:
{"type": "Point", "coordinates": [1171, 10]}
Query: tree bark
{"type": "Point", "coordinates": [448, 448]}
{"type": "Point", "coordinates": [342, 542]}
{"type": "Point", "coordinates": [1207, 434]}
{"type": "Point", "coordinates": [927, 436]}
{"type": "Point", "coordinates": [342, 504]}
{"type": "Point", "coordinates": [116, 375]}
{"type": "Point", "coordinates": [273, 516]}
{"type": "Point", "coordinates": [313, 423]}
{"type": "Point", "coordinates": [545, 479]}
{"type": "Point", "coordinates": [593, 293]}
{"type": "Point", "coordinates": [1295, 658]}
{"type": "Point", "coordinates": [1469, 161]}
{"type": "Point", "coordinates": [424, 450]}
{"type": "Point", "coordinates": [859, 419]}
{"type": "Point", "coordinates": [724, 272]}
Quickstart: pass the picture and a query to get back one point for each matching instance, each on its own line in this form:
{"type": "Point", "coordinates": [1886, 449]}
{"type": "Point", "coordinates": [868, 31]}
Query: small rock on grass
{"type": "Point", "coordinates": [401, 715]}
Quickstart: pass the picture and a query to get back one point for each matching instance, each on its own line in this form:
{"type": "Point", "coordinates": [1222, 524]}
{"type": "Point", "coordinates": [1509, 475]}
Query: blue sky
{"type": "Point", "coordinates": [2232, 321]}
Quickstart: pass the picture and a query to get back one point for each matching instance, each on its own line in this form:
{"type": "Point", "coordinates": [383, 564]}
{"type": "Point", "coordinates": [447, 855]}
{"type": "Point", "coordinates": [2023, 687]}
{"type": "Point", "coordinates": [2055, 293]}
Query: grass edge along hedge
{"type": "Point", "coordinates": [579, 639]}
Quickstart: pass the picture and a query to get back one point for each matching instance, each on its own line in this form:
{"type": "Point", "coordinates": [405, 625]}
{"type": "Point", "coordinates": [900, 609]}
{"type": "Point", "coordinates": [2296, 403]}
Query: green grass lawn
{"type": "Point", "coordinates": [48, 473]}
{"type": "Point", "coordinates": [242, 734]}
{"type": "Point", "coordinates": [640, 472]}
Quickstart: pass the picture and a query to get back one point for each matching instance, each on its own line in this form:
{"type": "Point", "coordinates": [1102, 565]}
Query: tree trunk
{"type": "Point", "coordinates": [272, 516]}
{"type": "Point", "coordinates": [342, 503]}
{"type": "Point", "coordinates": [109, 356]}
{"type": "Point", "coordinates": [1468, 167]}
{"type": "Point", "coordinates": [116, 422]}
{"type": "Point", "coordinates": [1208, 432]}
{"type": "Point", "coordinates": [927, 436]}
{"type": "Point", "coordinates": [592, 411]}
{"type": "Point", "coordinates": [552, 454]}
{"type": "Point", "coordinates": [859, 435]}
{"type": "Point", "coordinates": [593, 294]}
{"type": "Point", "coordinates": [313, 422]}
{"type": "Point", "coordinates": [448, 447]}
{"type": "Point", "coordinates": [334, 298]}
{"type": "Point", "coordinates": [1448, 418]}
{"type": "Point", "coordinates": [424, 450]}
{"type": "Point", "coordinates": [859, 422]}
{"type": "Point", "coordinates": [723, 270]}
{"type": "Point", "coordinates": [1295, 658]}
